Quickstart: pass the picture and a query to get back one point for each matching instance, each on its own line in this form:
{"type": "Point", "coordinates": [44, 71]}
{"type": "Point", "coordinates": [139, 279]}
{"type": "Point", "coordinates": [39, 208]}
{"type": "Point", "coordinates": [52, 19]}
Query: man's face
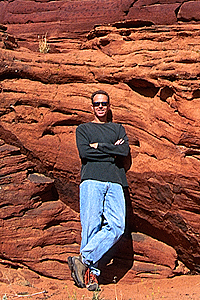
{"type": "Point", "coordinates": [100, 106]}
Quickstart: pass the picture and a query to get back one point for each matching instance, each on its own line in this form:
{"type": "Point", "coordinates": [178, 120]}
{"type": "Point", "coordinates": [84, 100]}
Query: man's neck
{"type": "Point", "coordinates": [100, 120]}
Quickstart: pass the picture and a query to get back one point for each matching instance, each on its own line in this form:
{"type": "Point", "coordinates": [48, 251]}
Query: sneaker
{"type": "Point", "coordinates": [78, 270]}
{"type": "Point", "coordinates": [91, 281]}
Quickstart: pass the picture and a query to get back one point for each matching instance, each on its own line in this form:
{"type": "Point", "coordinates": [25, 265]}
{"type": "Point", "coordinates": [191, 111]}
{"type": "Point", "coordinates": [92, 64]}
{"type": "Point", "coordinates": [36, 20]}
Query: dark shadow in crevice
{"type": "Point", "coordinates": [143, 87]}
{"type": "Point", "coordinates": [132, 24]}
{"type": "Point", "coordinates": [110, 116]}
{"type": "Point", "coordinates": [177, 10]}
{"type": "Point", "coordinates": [196, 94]}
{"type": "Point", "coordinates": [166, 93]}
{"type": "Point", "coordinates": [48, 131]}
{"type": "Point", "coordinates": [69, 122]}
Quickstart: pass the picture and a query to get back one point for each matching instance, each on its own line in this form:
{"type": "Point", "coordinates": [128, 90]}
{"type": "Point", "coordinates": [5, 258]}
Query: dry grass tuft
{"type": "Point", "coordinates": [44, 47]}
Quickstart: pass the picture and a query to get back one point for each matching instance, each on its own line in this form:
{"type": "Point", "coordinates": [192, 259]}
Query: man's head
{"type": "Point", "coordinates": [100, 92]}
{"type": "Point", "coordinates": [100, 105]}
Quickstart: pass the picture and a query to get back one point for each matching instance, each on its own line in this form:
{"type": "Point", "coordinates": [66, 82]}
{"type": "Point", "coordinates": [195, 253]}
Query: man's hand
{"type": "Point", "coordinates": [94, 145]}
{"type": "Point", "coordinates": [119, 142]}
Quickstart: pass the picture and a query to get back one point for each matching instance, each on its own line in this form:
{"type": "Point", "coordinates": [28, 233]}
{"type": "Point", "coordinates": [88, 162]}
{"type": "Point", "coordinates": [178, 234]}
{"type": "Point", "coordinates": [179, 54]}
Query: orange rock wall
{"type": "Point", "coordinates": [29, 17]}
{"type": "Point", "coordinates": [150, 68]}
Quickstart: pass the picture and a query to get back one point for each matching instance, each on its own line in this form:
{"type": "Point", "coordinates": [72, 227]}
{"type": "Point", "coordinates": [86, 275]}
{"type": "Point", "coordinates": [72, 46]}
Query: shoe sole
{"type": "Point", "coordinates": [73, 273]}
{"type": "Point", "coordinates": [70, 264]}
{"type": "Point", "coordinates": [93, 287]}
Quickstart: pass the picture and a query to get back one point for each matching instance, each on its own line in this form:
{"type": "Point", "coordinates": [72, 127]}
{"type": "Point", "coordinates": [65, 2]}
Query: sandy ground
{"type": "Point", "coordinates": [182, 287]}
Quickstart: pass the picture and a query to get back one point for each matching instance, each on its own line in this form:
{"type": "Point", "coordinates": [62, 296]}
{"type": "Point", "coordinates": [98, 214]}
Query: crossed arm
{"type": "Point", "coordinates": [101, 151]}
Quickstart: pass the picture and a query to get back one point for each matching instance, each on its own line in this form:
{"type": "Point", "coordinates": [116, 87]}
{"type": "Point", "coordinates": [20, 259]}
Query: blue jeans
{"type": "Point", "coordinates": [102, 213]}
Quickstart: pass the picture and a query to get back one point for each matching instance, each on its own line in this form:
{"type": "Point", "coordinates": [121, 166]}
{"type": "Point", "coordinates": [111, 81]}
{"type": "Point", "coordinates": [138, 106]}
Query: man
{"type": "Point", "coordinates": [102, 146]}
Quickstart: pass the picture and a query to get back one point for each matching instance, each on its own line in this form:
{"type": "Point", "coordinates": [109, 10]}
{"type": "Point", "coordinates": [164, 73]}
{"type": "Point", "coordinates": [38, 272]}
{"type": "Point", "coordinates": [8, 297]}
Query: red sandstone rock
{"type": "Point", "coordinates": [64, 19]}
{"type": "Point", "coordinates": [34, 226]}
{"type": "Point", "coordinates": [152, 75]}
{"type": "Point", "coordinates": [158, 14]}
{"type": "Point", "coordinates": [189, 11]}
{"type": "Point", "coordinates": [7, 41]}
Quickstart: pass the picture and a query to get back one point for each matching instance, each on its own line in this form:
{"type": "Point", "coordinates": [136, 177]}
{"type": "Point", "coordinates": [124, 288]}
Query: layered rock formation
{"type": "Point", "coordinates": [62, 20]}
{"type": "Point", "coordinates": [151, 72]}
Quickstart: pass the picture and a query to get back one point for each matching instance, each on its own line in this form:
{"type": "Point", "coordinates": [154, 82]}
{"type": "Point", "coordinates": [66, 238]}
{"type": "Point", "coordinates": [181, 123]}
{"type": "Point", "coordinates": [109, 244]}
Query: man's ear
{"type": "Point", "coordinates": [92, 107]}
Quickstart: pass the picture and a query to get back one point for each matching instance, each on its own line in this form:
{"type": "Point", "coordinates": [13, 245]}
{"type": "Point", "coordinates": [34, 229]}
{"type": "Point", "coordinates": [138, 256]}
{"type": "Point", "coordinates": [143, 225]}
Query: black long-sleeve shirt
{"type": "Point", "coordinates": [103, 163]}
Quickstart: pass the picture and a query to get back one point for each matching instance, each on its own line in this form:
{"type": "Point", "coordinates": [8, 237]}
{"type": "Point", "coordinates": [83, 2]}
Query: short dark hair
{"type": "Point", "coordinates": [101, 93]}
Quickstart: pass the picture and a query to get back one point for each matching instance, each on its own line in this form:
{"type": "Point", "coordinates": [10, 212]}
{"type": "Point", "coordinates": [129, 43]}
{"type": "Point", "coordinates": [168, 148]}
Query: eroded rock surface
{"type": "Point", "coordinates": [62, 20]}
{"type": "Point", "coordinates": [36, 227]}
{"type": "Point", "coordinates": [152, 76]}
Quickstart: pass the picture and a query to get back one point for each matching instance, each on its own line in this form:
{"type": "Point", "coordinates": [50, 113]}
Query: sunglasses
{"type": "Point", "coordinates": [98, 103]}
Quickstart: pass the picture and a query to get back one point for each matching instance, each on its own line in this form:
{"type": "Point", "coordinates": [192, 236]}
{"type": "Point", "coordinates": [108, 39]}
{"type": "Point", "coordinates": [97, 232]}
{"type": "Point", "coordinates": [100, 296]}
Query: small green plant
{"type": "Point", "coordinates": [97, 296]}
{"type": "Point", "coordinates": [43, 45]}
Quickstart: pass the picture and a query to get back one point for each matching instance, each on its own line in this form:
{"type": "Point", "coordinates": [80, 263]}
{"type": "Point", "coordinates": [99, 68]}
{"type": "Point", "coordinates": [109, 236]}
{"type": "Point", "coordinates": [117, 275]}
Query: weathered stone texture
{"type": "Point", "coordinates": [189, 11]}
{"type": "Point", "coordinates": [27, 18]}
{"type": "Point", "coordinates": [152, 75]}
